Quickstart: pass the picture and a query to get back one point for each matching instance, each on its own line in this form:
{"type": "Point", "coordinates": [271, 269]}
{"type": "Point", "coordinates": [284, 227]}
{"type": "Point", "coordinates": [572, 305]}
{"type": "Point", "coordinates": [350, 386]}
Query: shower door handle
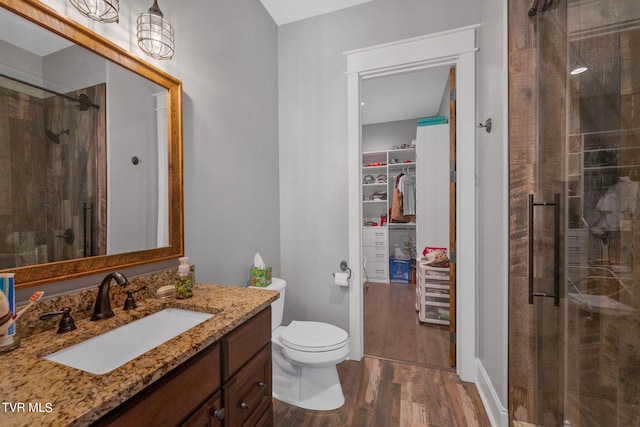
{"type": "Point", "coordinates": [556, 249]}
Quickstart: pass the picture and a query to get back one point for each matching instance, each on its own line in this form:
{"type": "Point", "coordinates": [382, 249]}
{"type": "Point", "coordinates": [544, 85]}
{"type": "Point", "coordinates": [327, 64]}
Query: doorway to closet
{"type": "Point", "coordinates": [453, 48]}
{"type": "Point", "coordinates": [406, 213]}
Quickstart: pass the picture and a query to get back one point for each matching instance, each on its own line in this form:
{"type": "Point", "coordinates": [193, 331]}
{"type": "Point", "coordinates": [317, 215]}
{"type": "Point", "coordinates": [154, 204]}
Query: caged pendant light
{"type": "Point", "coordinates": [156, 36]}
{"type": "Point", "coordinates": [99, 10]}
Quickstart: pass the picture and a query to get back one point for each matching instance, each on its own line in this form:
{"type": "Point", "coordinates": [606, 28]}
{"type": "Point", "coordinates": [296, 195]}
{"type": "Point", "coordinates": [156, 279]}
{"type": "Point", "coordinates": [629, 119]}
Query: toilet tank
{"type": "Point", "coordinates": [277, 307]}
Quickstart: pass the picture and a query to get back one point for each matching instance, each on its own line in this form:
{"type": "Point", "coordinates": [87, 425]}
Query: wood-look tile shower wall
{"type": "Point", "coordinates": [536, 167]}
{"type": "Point", "coordinates": [43, 184]}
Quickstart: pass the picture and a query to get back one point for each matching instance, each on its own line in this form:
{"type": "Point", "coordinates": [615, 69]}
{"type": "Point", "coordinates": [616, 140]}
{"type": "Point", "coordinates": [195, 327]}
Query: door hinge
{"type": "Point", "coordinates": [452, 337]}
{"type": "Point", "coordinates": [452, 95]}
{"type": "Point", "coordinates": [452, 257]}
{"type": "Point", "coordinates": [452, 176]}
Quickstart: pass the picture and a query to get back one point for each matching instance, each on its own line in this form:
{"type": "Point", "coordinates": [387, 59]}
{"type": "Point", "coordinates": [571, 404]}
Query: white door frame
{"type": "Point", "coordinates": [455, 48]}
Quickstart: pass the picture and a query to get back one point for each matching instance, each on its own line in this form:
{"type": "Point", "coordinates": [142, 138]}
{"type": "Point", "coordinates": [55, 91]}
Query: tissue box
{"type": "Point", "coordinates": [260, 277]}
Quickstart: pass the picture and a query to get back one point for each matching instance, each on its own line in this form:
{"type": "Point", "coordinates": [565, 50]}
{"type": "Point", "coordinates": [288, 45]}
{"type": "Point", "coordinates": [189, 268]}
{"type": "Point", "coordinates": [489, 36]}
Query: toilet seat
{"type": "Point", "coordinates": [313, 337]}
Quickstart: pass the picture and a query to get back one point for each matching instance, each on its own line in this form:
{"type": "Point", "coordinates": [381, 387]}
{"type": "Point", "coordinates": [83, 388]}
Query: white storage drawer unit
{"type": "Point", "coordinates": [375, 248]}
{"type": "Point", "coordinates": [378, 271]}
{"type": "Point", "coordinates": [375, 237]}
{"type": "Point", "coordinates": [375, 254]}
{"type": "Point", "coordinates": [432, 294]}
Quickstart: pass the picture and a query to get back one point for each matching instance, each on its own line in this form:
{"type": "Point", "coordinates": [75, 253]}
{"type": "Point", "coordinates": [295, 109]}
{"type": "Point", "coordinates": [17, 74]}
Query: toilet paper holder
{"type": "Point", "coordinates": [344, 267]}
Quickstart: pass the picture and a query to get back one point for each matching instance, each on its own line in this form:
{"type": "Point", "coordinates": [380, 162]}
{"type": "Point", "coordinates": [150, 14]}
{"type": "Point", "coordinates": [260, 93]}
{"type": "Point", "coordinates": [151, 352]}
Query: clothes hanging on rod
{"type": "Point", "coordinates": [407, 187]}
{"type": "Point", "coordinates": [403, 205]}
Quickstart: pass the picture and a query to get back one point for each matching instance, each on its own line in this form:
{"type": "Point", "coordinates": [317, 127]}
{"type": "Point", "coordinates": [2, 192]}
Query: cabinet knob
{"type": "Point", "coordinates": [244, 405]}
{"type": "Point", "coordinates": [262, 384]}
{"type": "Point", "coordinates": [218, 414]}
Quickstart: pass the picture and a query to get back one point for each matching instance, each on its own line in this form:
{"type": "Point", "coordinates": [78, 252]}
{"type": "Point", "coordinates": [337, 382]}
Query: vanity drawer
{"type": "Point", "coordinates": [248, 394]}
{"type": "Point", "coordinates": [240, 345]}
{"type": "Point", "coordinates": [210, 414]}
{"type": "Point", "coordinates": [173, 397]}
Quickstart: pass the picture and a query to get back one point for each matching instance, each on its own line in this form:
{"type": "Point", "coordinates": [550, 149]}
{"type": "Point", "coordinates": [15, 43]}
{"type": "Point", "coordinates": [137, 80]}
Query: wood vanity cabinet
{"type": "Point", "coordinates": [228, 384]}
{"type": "Point", "coordinates": [210, 414]}
{"type": "Point", "coordinates": [247, 373]}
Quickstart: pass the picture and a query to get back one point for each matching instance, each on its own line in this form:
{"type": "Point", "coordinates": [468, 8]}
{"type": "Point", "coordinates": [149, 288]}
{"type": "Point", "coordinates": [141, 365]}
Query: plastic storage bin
{"type": "Point", "coordinates": [433, 294]}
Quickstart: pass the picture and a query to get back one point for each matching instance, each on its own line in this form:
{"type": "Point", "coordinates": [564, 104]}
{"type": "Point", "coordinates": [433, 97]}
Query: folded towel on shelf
{"type": "Point", "coordinates": [434, 120]}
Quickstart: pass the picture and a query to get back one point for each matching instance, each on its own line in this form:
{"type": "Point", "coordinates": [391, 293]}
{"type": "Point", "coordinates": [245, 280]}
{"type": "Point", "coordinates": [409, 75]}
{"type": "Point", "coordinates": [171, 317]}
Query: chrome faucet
{"type": "Point", "coordinates": [102, 309]}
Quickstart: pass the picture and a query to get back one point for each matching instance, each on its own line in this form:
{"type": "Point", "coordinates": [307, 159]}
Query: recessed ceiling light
{"type": "Point", "coordinates": [578, 70]}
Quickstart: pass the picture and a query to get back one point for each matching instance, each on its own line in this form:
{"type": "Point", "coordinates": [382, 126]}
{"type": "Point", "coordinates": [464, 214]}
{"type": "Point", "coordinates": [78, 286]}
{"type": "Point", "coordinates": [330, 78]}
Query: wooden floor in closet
{"type": "Point", "coordinates": [384, 391]}
{"type": "Point", "coordinates": [392, 330]}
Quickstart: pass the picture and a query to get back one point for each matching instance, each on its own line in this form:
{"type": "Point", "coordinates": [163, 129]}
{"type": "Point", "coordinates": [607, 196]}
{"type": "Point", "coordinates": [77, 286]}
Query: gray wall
{"type": "Point", "coordinates": [227, 59]}
{"type": "Point", "coordinates": [313, 137]}
{"type": "Point", "coordinates": [382, 136]}
{"type": "Point", "coordinates": [493, 218]}
{"type": "Point", "coordinates": [16, 60]}
{"type": "Point", "coordinates": [132, 190]}
{"type": "Point", "coordinates": [444, 104]}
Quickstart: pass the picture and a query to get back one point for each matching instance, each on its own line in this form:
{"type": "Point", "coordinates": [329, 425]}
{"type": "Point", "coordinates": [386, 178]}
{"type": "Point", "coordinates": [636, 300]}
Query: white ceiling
{"type": "Point", "coordinates": [403, 96]}
{"type": "Point", "coordinates": [286, 11]}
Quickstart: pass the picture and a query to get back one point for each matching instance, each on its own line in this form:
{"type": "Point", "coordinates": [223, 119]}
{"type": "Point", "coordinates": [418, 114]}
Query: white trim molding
{"type": "Point", "coordinates": [456, 48]}
{"type": "Point", "coordinates": [498, 415]}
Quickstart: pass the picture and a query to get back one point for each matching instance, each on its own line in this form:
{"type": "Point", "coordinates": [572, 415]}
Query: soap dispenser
{"type": "Point", "coordinates": [184, 279]}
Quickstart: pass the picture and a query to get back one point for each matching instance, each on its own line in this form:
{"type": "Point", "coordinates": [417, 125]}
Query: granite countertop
{"type": "Point", "coordinates": [35, 391]}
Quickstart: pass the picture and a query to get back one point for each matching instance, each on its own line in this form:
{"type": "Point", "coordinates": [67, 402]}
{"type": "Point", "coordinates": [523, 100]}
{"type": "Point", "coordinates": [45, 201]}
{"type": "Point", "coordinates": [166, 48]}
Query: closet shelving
{"type": "Point", "coordinates": [595, 161]}
{"type": "Point", "coordinates": [375, 164]}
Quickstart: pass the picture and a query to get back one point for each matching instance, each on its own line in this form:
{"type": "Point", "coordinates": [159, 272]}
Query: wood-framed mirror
{"type": "Point", "coordinates": [111, 230]}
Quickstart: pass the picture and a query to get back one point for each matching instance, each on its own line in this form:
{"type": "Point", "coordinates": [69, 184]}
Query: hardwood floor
{"type": "Point", "coordinates": [392, 330]}
{"type": "Point", "coordinates": [383, 393]}
{"type": "Point", "coordinates": [405, 379]}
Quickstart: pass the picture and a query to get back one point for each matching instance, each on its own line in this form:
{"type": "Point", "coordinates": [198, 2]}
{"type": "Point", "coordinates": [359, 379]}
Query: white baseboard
{"type": "Point", "coordinates": [497, 413]}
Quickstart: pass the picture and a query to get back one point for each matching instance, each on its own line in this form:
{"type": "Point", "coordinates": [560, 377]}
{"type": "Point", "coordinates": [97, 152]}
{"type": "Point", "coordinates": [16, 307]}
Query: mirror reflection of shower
{"type": "Point", "coordinates": [64, 140]}
{"type": "Point", "coordinates": [55, 137]}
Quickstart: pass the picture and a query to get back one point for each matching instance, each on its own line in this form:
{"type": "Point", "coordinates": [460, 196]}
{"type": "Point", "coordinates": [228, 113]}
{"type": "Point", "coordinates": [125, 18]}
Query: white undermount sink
{"type": "Point", "coordinates": [108, 351]}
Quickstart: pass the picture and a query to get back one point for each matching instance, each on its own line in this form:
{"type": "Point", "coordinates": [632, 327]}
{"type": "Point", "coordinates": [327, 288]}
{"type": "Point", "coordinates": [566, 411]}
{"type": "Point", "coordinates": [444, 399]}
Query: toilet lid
{"type": "Point", "coordinates": [313, 336]}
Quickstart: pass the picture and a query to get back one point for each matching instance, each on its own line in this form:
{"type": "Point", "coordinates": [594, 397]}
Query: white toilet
{"type": "Point", "coordinates": [305, 355]}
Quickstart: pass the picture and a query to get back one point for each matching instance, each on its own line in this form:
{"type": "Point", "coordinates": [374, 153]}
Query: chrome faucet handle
{"type": "Point", "coordinates": [130, 303]}
{"type": "Point", "coordinates": [66, 323]}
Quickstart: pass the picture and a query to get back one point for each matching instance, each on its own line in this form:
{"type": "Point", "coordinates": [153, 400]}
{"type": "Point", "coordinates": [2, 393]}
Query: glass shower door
{"type": "Point", "coordinates": [601, 316]}
{"type": "Point", "coordinates": [585, 215]}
